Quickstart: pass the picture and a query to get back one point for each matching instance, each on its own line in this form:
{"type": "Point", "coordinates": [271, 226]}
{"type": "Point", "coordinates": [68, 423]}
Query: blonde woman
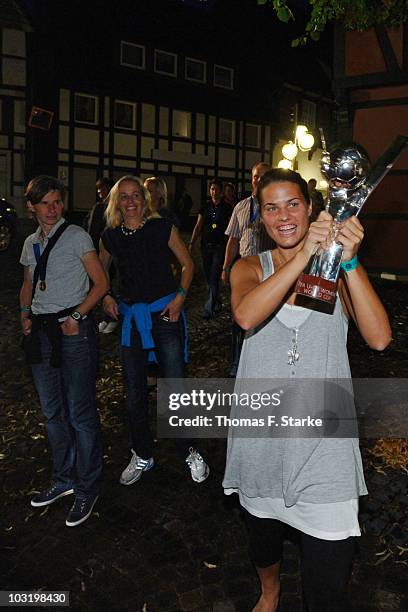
{"type": "Point", "coordinates": [158, 199]}
{"type": "Point", "coordinates": [151, 306]}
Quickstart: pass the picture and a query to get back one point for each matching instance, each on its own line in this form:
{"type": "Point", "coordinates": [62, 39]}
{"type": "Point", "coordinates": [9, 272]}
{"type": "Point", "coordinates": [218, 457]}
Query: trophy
{"type": "Point", "coordinates": [347, 171]}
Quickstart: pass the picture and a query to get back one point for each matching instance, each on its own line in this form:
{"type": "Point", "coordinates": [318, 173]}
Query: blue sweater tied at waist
{"type": "Point", "coordinates": [140, 313]}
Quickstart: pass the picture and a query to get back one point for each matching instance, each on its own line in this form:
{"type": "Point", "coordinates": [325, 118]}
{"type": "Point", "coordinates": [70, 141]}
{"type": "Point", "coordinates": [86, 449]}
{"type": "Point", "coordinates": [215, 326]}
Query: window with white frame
{"type": "Point", "coordinates": [252, 135]}
{"type": "Point", "coordinates": [125, 115]}
{"type": "Point", "coordinates": [165, 63]}
{"type": "Point", "coordinates": [223, 77]}
{"type": "Point", "coordinates": [308, 116]}
{"type": "Point", "coordinates": [181, 124]}
{"type": "Point", "coordinates": [195, 70]}
{"type": "Point", "coordinates": [226, 131]}
{"type": "Point", "coordinates": [133, 56]}
{"type": "Point", "coordinates": [86, 108]}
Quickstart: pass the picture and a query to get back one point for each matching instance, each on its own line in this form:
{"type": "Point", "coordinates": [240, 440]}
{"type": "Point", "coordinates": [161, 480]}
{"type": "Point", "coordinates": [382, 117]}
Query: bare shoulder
{"type": "Point", "coordinates": [247, 268]}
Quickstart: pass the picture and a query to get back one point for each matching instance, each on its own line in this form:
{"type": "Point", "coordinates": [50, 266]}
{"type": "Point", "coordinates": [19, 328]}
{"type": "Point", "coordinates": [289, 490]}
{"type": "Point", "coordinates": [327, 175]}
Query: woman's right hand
{"type": "Point", "coordinates": [320, 235]}
{"type": "Point", "coordinates": [110, 306]}
{"type": "Point", "coordinates": [26, 324]}
{"type": "Point", "coordinates": [225, 276]}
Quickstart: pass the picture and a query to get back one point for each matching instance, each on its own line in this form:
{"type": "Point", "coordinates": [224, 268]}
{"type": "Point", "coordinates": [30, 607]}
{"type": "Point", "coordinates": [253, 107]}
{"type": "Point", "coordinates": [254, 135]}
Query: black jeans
{"type": "Point", "coordinates": [169, 348]}
{"type": "Point", "coordinates": [213, 259]}
{"type": "Point", "coordinates": [325, 564]}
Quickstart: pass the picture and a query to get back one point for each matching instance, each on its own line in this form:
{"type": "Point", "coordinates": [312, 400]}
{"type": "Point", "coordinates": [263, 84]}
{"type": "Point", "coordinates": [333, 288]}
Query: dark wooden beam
{"type": "Point", "coordinates": [405, 46]}
{"type": "Point", "coordinates": [380, 103]}
{"type": "Point", "coordinates": [375, 79]}
{"type": "Point", "coordinates": [387, 49]}
{"type": "Point", "coordinates": [339, 60]}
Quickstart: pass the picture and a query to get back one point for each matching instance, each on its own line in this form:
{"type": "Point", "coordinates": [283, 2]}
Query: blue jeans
{"type": "Point", "coordinates": [213, 259]}
{"type": "Point", "coordinates": [169, 348]}
{"type": "Point", "coordinates": [67, 396]}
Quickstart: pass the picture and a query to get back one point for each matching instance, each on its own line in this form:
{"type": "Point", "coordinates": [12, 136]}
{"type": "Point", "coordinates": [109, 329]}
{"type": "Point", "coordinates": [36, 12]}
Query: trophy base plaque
{"type": "Point", "coordinates": [317, 288]}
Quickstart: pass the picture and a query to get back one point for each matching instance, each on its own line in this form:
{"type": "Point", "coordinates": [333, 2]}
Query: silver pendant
{"type": "Point", "coordinates": [293, 354]}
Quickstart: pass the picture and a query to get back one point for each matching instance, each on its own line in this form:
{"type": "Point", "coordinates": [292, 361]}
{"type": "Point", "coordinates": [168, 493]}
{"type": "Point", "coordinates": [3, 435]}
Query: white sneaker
{"type": "Point", "coordinates": [133, 472]}
{"type": "Point", "coordinates": [199, 468]}
{"type": "Point", "coordinates": [102, 325]}
{"type": "Point", "coordinates": [109, 327]}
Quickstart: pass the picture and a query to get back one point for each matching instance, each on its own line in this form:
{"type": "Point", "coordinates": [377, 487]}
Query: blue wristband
{"type": "Point", "coordinates": [350, 265]}
{"type": "Point", "coordinates": [182, 291]}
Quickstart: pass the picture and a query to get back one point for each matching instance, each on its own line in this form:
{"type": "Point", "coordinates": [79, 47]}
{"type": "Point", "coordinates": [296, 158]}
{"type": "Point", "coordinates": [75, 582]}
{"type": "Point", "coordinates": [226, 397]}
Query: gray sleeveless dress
{"type": "Point", "coordinates": [311, 470]}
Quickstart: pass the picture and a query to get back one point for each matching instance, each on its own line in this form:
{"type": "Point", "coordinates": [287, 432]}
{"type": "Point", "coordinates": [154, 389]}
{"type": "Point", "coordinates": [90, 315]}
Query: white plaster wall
{"type": "Point", "coordinates": [19, 116]}
{"type": "Point", "coordinates": [86, 140]}
{"type": "Point", "coordinates": [226, 157]}
{"type": "Point", "coordinates": [185, 147]}
{"type": "Point", "coordinates": [148, 117]}
{"type": "Point", "coordinates": [125, 144]}
{"type": "Point", "coordinates": [147, 146]}
{"type": "Point", "coordinates": [200, 126]}
{"type": "Point", "coordinates": [63, 137]}
{"type": "Point", "coordinates": [164, 120]}
{"type": "Point", "coordinates": [14, 71]}
{"type": "Point", "coordinates": [14, 42]}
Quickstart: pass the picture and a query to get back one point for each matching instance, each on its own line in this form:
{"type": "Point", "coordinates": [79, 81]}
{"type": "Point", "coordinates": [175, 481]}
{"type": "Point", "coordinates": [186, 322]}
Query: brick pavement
{"type": "Point", "coordinates": [164, 544]}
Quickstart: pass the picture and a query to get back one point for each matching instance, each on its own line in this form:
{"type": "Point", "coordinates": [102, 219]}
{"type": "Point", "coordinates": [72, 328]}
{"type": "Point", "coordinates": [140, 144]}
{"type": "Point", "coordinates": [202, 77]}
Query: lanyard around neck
{"type": "Point", "coordinates": [253, 214]}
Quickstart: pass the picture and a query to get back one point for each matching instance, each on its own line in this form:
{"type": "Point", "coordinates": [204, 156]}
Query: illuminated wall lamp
{"type": "Point", "coordinates": [301, 129]}
{"type": "Point", "coordinates": [289, 150]}
{"type": "Point", "coordinates": [286, 164]}
{"type": "Point", "coordinates": [303, 141]}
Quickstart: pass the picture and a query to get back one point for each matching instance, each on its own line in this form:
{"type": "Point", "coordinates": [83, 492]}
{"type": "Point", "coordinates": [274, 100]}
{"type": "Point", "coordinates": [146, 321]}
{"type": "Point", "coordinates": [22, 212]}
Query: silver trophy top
{"type": "Point", "coordinates": [346, 168]}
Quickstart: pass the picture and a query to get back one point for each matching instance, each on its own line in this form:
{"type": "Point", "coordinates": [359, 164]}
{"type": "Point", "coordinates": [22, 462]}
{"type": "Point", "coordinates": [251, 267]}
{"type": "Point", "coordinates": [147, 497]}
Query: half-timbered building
{"type": "Point", "coordinates": [371, 81]}
{"type": "Point", "coordinates": [139, 88]}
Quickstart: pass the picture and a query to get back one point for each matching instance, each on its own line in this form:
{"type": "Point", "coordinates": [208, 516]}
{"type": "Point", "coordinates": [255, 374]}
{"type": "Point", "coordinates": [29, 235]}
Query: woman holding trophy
{"type": "Point", "coordinates": [311, 484]}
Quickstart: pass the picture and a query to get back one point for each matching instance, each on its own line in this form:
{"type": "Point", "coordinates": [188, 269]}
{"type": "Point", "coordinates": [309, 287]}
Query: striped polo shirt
{"type": "Point", "coordinates": [245, 225]}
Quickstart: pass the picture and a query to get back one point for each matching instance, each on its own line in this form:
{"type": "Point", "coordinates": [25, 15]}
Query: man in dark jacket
{"type": "Point", "coordinates": [94, 224]}
{"type": "Point", "coordinates": [212, 222]}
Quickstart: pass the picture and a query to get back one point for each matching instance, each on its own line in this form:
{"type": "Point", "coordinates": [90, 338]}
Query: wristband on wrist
{"type": "Point", "coordinates": [182, 292]}
{"type": "Point", "coordinates": [25, 308]}
{"type": "Point", "coordinates": [227, 269]}
{"type": "Point", "coordinates": [350, 265]}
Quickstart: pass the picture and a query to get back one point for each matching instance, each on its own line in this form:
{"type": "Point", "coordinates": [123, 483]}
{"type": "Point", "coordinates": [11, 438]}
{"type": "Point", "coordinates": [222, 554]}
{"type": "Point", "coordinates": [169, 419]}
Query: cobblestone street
{"type": "Point", "coordinates": [166, 543]}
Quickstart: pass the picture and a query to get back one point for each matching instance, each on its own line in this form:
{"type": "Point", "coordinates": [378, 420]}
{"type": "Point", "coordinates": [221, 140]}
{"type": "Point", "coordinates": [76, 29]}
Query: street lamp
{"type": "Point", "coordinates": [303, 140]}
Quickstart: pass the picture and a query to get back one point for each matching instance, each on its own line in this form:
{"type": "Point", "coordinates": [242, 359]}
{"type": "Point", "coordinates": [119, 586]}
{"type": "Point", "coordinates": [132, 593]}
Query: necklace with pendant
{"type": "Point", "coordinates": [293, 354]}
{"type": "Point", "coordinates": [126, 231]}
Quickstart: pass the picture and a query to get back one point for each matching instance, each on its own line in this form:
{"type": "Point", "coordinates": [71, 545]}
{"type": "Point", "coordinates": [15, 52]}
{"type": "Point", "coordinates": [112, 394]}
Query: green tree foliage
{"type": "Point", "coordinates": [354, 14]}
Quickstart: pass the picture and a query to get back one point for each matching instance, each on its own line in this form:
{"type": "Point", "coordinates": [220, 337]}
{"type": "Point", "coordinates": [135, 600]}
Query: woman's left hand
{"type": "Point", "coordinates": [350, 234]}
{"type": "Point", "coordinates": [70, 327]}
{"type": "Point", "coordinates": [173, 308]}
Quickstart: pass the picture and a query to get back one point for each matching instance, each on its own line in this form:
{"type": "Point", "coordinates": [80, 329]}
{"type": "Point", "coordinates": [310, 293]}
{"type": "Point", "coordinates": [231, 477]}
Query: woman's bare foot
{"type": "Point", "coordinates": [267, 604]}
